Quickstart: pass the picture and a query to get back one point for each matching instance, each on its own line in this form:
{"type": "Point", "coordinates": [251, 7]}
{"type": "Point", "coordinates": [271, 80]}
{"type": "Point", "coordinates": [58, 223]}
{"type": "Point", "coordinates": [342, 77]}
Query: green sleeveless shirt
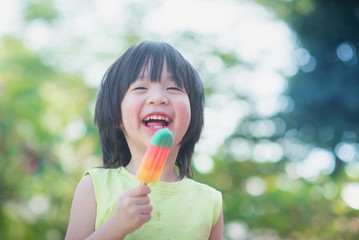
{"type": "Point", "coordinates": [181, 210]}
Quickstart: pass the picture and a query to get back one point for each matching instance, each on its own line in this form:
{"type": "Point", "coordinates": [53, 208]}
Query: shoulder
{"type": "Point", "coordinates": [110, 181]}
{"type": "Point", "coordinates": [100, 174]}
{"type": "Point", "coordinates": [85, 188]}
{"type": "Point", "coordinates": [204, 193]}
{"type": "Point", "coordinates": [97, 171]}
{"type": "Point", "coordinates": [202, 188]}
{"type": "Point", "coordinates": [85, 182]}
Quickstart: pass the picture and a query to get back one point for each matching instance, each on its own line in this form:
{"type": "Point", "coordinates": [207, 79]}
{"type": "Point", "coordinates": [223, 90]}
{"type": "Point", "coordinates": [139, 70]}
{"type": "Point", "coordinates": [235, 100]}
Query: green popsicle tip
{"type": "Point", "coordinates": [162, 138]}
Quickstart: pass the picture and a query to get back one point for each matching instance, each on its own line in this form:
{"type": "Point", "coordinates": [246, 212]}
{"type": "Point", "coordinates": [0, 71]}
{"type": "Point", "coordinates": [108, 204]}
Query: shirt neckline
{"type": "Point", "coordinates": [162, 186]}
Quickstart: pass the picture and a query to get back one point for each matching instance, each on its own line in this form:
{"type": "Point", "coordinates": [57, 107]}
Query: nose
{"type": "Point", "coordinates": [157, 97]}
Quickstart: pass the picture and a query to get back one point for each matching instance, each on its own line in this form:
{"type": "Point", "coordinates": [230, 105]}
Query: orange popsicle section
{"type": "Point", "coordinates": [152, 164]}
{"type": "Point", "coordinates": [155, 157]}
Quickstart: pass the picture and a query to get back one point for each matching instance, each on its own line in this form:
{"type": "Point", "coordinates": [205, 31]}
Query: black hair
{"type": "Point", "coordinates": [116, 81]}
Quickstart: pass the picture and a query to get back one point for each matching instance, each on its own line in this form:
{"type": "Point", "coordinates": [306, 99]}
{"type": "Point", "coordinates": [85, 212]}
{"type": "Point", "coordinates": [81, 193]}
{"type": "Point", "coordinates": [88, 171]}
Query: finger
{"type": "Point", "coordinates": [145, 209]}
{"type": "Point", "coordinates": [144, 189]}
{"type": "Point", "coordinates": [142, 200]}
{"type": "Point", "coordinates": [145, 217]}
{"type": "Point", "coordinates": [140, 190]}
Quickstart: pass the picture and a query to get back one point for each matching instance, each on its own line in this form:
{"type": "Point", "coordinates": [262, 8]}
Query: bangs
{"type": "Point", "coordinates": [151, 57]}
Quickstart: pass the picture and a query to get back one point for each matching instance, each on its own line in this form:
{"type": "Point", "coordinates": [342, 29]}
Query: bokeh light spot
{"type": "Point", "coordinates": [255, 186]}
{"type": "Point", "coordinates": [318, 161]}
{"type": "Point", "coordinates": [346, 51]}
{"type": "Point", "coordinates": [350, 195]}
{"type": "Point", "coordinates": [203, 163]}
{"type": "Point", "coordinates": [346, 151]}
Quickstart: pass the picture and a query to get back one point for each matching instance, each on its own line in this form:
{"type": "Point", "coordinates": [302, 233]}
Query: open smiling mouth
{"type": "Point", "coordinates": [156, 121]}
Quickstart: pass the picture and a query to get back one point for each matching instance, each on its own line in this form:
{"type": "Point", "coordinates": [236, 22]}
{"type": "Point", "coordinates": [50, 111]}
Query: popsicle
{"type": "Point", "coordinates": [155, 157]}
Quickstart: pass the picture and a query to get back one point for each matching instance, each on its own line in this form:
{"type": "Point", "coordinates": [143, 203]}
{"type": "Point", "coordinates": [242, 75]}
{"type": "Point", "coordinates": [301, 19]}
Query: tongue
{"type": "Point", "coordinates": [156, 123]}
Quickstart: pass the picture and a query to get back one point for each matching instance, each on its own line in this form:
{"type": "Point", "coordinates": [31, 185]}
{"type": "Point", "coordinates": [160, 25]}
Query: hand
{"type": "Point", "coordinates": [133, 209]}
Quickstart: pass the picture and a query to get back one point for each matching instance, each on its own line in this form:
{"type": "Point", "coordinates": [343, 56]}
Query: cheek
{"type": "Point", "coordinates": [188, 113]}
{"type": "Point", "coordinates": [184, 109]}
{"type": "Point", "coordinates": [129, 111]}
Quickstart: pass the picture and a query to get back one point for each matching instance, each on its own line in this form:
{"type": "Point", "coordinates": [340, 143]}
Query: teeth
{"type": "Point", "coordinates": [156, 126]}
{"type": "Point", "coordinates": [157, 117]}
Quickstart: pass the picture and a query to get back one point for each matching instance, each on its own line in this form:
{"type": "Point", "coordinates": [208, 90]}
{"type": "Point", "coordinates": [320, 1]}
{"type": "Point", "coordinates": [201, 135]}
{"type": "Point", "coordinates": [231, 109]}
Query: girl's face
{"type": "Point", "coordinates": [149, 106]}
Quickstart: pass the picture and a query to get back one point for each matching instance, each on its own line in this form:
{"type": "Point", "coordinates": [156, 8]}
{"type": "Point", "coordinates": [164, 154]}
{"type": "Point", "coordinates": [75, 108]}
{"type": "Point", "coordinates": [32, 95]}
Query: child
{"type": "Point", "coordinates": [151, 86]}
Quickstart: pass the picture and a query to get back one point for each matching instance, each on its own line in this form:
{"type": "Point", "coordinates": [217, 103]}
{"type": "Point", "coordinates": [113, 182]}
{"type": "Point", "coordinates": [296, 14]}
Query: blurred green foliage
{"type": "Point", "coordinates": [42, 9]}
{"type": "Point", "coordinates": [36, 105]}
{"type": "Point", "coordinates": [325, 95]}
{"type": "Point", "coordinates": [327, 98]}
{"type": "Point", "coordinates": [47, 136]}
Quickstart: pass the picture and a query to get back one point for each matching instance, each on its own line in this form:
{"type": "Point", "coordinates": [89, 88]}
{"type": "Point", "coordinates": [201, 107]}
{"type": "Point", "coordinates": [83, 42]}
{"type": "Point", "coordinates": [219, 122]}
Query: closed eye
{"type": "Point", "coordinates": [175, 88]}
{"type": "Point", "coordinates": [139, 88]}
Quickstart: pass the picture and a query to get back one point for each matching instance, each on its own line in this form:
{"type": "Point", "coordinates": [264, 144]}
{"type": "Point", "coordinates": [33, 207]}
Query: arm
{"type": "Point", "coordinates": [83, 211]}
{"type": "Point", "coordinates": [217, 229]}
{"type": "Point", "coordinates": [132, 211]}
